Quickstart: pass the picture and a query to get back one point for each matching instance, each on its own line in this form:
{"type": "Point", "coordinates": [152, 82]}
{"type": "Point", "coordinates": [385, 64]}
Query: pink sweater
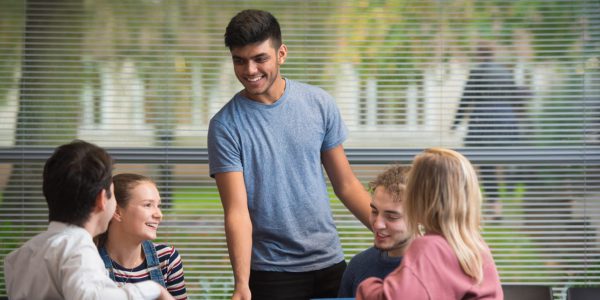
{"type": "Point", "coordinates": [430, 270]}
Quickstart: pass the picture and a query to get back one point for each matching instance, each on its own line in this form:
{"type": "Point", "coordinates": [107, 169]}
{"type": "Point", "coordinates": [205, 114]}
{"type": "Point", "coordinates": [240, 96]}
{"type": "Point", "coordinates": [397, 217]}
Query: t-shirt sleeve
{"type": "Point", "coordinates": [335, 129]}
{"type": "Point", "coordinates": [223, 150]}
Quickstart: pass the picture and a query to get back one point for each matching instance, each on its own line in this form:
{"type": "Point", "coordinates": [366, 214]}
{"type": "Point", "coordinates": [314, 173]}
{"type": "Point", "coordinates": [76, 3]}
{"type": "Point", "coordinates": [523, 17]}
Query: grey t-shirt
{"type": "Point", "coordinates": [369, 263]}
{"type": "Point", "coordinates": [278, 148]}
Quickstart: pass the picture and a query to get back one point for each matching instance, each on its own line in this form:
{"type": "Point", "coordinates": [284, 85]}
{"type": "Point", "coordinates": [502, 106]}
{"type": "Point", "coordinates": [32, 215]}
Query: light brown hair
{"type": "Point", "coordinates": [393, 180]}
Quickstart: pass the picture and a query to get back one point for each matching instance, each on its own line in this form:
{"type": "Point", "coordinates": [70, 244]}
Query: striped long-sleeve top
{"type": "Point", "coordinates": [170, 265]}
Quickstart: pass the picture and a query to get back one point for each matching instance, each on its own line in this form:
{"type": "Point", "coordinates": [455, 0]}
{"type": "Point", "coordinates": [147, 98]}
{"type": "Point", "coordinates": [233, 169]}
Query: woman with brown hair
{"type": "Point", "coordinates": [127, 249]}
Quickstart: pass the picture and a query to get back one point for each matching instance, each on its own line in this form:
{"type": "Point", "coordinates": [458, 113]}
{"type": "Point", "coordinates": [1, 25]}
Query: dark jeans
{"type": "Point", "coordinates": [322, 283]}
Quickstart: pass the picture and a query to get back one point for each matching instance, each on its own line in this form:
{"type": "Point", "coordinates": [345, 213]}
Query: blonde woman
{"type": "Point", "coordinates": [451, 260]}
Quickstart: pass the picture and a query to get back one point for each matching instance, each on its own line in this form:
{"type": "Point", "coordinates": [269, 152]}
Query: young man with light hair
{"type": "Point", "coordinates": [392, 237]}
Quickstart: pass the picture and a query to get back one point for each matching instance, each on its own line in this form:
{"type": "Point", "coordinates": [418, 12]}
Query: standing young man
{"type": "Point", "coordinates": [63, 262]}
{"type": "Point", "coordinates": [392, 238]}
{"type": "Point", "coordinates": [267, 147]}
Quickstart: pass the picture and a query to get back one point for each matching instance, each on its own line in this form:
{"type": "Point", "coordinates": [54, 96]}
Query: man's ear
{"type": "Point", "coordinates": [281, 54]}
{"type": "Point", "coordinates": [101, 201]}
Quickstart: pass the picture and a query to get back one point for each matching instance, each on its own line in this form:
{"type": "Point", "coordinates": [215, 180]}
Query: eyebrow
{"type": "Point", "coordinates": [393, 212]}
{"type": "Point", "coordinates": [151, 200]}
{"type": "Point", "coordinates": [386, 211]}
{"type": "Point", "coordinates": [252, 57]}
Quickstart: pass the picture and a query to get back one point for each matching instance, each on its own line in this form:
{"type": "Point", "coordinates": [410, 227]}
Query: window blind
{"type": "Point", "coordinates": [514, 85]}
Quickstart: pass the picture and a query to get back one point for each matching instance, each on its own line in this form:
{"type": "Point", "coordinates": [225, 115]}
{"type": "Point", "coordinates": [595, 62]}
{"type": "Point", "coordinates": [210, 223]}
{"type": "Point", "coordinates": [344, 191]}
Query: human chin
{"type": "Point", "coordinates": [383, 247]}
{"type": "Point", "coordinates": [150, 236]}
{"type": "Point", "coordinates": [255, 88]}
{"type": "Point", "coordinates": [150, 230]}
{"type": "Point", "coordinates": [383, 244]}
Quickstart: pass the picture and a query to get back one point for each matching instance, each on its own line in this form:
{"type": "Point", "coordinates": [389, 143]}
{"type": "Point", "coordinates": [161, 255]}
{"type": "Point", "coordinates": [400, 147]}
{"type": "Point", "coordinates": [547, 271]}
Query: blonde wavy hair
{"type": "Point", "coordinates": [443, 196]}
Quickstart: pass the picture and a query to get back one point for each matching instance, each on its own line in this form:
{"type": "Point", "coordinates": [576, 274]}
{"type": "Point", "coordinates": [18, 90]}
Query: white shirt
{"type": "Point", "coordinates": [63, 263]}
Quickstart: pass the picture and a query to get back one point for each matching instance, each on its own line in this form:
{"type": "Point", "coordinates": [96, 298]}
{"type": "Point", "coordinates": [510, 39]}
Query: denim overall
{"type": "Point", "coordinates": [152, 263]}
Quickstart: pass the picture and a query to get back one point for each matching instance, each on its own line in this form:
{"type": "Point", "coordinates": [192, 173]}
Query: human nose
{"type": "Point", "coordinates": [251, 67]}
{"type": "Point", "coordinates": [158, 213]}
{"type": "Point", "coordinates": [378, 222]}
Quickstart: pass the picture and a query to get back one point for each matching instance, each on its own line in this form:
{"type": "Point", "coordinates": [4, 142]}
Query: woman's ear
{"type": "Point", "coordinates": [118, 216]}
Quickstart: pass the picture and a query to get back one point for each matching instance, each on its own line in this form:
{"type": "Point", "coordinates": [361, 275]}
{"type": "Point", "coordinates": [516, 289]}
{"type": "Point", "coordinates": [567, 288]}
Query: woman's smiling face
{"type": "Point", "coordinates": [142, 214]}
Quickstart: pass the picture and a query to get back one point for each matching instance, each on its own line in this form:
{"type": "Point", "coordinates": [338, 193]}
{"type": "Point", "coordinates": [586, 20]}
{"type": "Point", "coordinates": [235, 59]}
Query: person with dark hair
{"type": "Point", "coordinates": [126, 247]}
{"type": "Point", "coordinates": [494, 106]}
{"type": "Point", "coordinates": [392, 237]}
{"type": "Point", "coordinates": [267, 148]}
{"type": "Point", "coordinates": [62, 262]}
{"type": "Point", "coordinates": [448, 259]}
{"type": "Point", "coordinates": [489, 101]}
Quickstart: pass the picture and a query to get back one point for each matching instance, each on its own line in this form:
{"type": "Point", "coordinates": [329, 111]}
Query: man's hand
{"type": "Point", "coordinates": [164, 294]}
{"type": "Point", "coordinates": [241, 293]}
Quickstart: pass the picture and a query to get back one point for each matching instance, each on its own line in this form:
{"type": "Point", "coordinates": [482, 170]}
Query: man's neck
{"type": "Point", "coordinates": [92, 226]}
{"type": "Point", "coordinates": [399, 251]}
{"type": "Point", "coordinates": [277, 91]}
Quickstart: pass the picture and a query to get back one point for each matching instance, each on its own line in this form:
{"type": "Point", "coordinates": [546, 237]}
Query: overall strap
{"type": "Point", "coordinates": [107, 262]}
{"type": "Point", "coordinates": [153, 263]}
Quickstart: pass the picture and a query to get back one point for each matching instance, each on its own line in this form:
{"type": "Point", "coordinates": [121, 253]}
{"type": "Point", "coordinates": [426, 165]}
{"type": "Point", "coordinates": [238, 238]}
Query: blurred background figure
{"type": "Point", "coordinates": [494, 106]}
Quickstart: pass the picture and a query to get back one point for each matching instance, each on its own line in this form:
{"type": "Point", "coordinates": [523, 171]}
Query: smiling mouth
{"type": "Point", "coordinates": [152, 225]}
{"type": "Point", "coordinates": [254, 79]}
{"type": "Point", "coordinates": [381, 236]}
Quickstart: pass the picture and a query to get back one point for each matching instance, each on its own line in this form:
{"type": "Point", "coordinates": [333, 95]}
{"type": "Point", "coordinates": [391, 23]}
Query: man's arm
{"type": "Point", "coordinates": [238, 229]}
{"type": "Point", "coordinates": [143, 289]}
{"type": "Point", "coordinates": [81, 278]}
{"type": "Point", "coordinates": [345, 185]}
